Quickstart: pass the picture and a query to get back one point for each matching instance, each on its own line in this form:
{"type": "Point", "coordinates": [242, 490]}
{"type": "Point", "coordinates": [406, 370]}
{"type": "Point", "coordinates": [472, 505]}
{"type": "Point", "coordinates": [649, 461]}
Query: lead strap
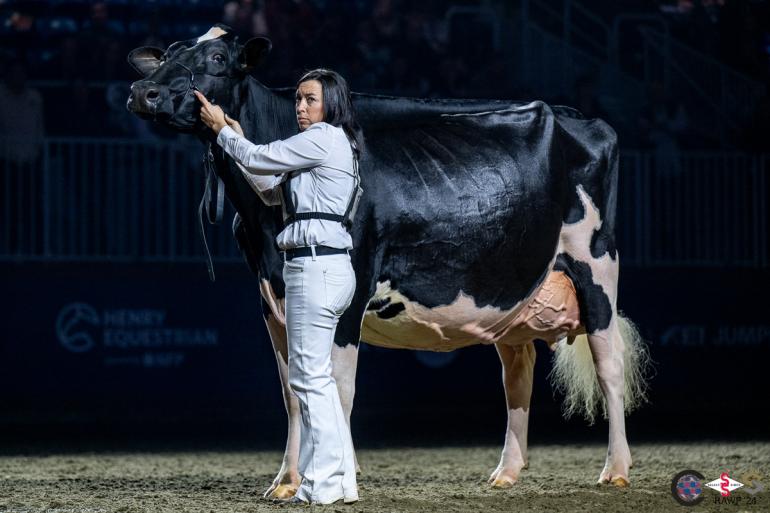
{"type": "Point", "coordinates": [214, 215]}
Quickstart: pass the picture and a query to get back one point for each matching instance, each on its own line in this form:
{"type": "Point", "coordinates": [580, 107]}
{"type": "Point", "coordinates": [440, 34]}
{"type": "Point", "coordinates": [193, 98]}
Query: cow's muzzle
{"type": "Point", "coordinates": [148, 99]}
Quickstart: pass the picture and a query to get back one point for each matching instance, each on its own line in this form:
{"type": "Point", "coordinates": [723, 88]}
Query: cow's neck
{"type": "Point", "coordinates": [271, 116]}
{"type": "Point", "coordinates": [264, 117]}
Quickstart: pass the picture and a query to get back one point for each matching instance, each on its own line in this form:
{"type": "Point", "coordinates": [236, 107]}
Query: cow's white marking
{"type": "Point", "coordinates": [575, 240]}
{"type": "Point", "coordinates": [213, 33]}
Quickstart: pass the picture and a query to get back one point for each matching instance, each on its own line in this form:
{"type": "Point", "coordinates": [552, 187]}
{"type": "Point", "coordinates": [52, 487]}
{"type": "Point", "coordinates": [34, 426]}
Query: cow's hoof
{"type": "Point", "coordinates": [280, 492]}
{"type": "Point", "coordinates": [617, 480]}
{"type": "Point", "coordinates": [503, 478]}
{"type": "Point", "coordinates": [620, 482]}
{"type": "Point", "coordinates": [503, 482]}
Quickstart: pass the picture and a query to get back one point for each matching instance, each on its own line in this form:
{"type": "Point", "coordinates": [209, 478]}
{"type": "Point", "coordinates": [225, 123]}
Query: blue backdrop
{"type": "Point", "coordinates": [158, 345]}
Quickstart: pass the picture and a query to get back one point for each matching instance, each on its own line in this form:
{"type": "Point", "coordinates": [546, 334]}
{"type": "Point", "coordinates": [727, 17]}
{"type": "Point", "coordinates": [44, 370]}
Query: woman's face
{"type": "Point", "coordinates": [309, 104]}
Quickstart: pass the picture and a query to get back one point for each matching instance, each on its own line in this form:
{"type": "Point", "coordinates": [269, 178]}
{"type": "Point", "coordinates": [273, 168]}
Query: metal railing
{"type": "Point", "coordinates": [694, 208]}
{"type": "Point", "coordinates": [107, 199]}
{"type": "Point", "coordinates": [133, 201]}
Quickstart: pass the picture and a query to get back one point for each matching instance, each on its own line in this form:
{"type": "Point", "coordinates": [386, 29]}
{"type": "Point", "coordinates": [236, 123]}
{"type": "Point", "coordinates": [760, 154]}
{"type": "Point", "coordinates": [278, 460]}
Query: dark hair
{"type": "Point", "coordinates": [338, 106]}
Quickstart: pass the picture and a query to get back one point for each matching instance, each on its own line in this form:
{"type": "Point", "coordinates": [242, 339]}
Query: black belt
{"type": "Point", "coordinates": [307, 251]}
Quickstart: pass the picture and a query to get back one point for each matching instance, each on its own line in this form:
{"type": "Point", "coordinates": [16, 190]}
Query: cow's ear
{"type": "Point", "coordinates": [254, 53]}
{"type": "Point", "coordinates": [145, 59]}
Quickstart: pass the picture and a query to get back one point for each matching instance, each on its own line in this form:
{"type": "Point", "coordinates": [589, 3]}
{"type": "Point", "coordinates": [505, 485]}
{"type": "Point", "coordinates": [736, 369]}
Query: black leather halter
{"type": "Point", "coordinates": [191, 84]}
{"type": "Point", "coordinates": [214, 185]}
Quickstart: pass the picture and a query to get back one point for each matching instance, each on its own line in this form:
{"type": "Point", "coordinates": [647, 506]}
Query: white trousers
{"type": "Point", "coordinates": [319, 289]}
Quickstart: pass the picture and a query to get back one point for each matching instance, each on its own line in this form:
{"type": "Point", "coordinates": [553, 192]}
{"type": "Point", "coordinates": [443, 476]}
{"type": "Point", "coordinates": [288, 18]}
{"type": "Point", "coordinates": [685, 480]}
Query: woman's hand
{"type": "Point", "coordinates": [234, 125]}
{"type": "Point", "coordinates": [212, 115]}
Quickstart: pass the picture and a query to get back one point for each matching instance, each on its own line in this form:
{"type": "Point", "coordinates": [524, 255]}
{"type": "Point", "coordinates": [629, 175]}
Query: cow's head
{"type": "Point", "coordinates": [213, 64]}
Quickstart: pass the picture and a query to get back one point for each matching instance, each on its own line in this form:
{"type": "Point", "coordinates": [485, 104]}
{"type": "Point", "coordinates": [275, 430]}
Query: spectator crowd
{"type": "Point", "coordinates": [75, 54]}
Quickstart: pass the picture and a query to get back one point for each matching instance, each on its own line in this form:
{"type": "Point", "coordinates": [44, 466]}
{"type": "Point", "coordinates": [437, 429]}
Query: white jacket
{"type": "Point", "coordinates": [323, 155]}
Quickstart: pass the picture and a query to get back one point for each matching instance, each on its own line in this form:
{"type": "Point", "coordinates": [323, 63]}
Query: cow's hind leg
{"type": "Point", "coordinates": [604, 370]}
{"type": "Point", "coordinates": [607, 351]}
{"type": "Point", "coordinates": [591, 370]}
{"type": "Point", "coordinates": [344, 364]}
{"type": "Point", "coordinates": [588, 255]}
{"type": "Point", "coordinates": [518, 366]}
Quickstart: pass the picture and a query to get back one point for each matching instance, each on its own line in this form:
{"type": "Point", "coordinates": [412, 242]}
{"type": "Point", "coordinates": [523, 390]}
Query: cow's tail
{"type": "Point", "coordinates": [574, 373]}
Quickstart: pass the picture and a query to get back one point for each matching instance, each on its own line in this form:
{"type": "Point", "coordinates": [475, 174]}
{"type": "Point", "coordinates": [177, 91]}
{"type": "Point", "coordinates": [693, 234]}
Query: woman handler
{"type": "Point", "coordinates": [312, 171]}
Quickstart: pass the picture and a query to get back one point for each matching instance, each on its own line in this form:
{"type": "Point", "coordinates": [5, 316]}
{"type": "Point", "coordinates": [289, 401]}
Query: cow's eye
{"type": "Point", "coordinates": [218, 58]}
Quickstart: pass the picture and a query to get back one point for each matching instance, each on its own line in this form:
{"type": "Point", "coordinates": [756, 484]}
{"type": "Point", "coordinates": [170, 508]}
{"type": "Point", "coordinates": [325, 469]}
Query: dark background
{"type": "Point", "coordinates": [98, 244]}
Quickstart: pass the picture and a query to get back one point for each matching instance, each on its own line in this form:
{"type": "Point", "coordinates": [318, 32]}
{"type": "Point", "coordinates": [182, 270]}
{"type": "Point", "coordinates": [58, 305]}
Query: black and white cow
{"type": "Point", "coordinates": [482, 221]}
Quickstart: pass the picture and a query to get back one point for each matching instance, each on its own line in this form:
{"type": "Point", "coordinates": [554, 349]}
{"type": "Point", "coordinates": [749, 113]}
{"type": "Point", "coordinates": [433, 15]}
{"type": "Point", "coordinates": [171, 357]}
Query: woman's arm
{"type": "Point", "coordinates": [309, 148]}
{"type": "Point", "coordinates": [268, 188]}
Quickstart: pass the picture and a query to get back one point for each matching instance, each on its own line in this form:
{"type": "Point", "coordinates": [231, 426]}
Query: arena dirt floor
{"type": "Point", "coordinates": [560, 479]}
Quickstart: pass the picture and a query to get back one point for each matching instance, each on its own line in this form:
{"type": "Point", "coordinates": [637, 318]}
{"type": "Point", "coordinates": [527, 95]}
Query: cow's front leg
{"type": "Point", "coordinates": [288, 479]}
{"type": "Point", "coordinates": [518, 366]}
{"type": "Point", "coordinates": [344, 364]}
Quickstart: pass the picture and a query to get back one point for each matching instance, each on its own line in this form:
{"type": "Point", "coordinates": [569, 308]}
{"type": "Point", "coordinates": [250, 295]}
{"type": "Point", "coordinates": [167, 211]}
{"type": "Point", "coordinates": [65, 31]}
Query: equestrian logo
{"type": "Point", "coordinates": [72, 325]}
{"type": "Point", "coordinates": [724, 485]}
{"type": "Point", "coordinates": [687, 488]}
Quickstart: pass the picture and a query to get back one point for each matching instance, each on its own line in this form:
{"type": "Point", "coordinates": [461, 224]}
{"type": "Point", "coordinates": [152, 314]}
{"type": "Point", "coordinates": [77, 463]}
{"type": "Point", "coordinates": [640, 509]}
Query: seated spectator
{"type": "Point", "coordinates": [246, 17]}
{"type": "Point", "coordinates": [21, 144]}
{"type": "Point", "coordinates": [101, 44]}
{"type": "Point", "coordinates": [21, 116]}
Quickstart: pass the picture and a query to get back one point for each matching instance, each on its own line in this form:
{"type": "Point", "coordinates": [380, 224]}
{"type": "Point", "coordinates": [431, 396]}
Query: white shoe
{"type": "Point", "coordinates": [346, 499]}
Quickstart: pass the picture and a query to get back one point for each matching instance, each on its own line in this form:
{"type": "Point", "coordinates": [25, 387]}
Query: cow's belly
{"type": "Point", "coordinates": [550, 314]}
